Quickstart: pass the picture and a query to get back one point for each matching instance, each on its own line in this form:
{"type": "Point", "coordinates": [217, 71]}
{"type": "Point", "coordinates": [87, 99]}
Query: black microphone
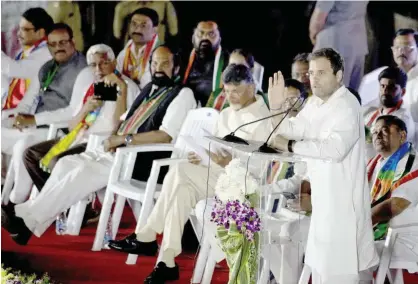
{"type": "Point", "coordinates": [235, 139]}
{"type": "Point", "coordinates": [267, 149]}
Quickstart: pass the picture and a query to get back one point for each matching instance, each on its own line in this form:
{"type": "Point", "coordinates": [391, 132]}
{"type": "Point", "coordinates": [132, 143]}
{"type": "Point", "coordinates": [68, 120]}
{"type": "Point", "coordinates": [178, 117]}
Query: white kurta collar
{"type": "Point", "coordinates": [413, 73]}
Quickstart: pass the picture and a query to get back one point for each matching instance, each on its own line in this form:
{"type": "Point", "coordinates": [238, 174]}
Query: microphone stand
{"type": "Point", "coordinates": [235, 139]}
{"type": "Point", "coordinates": [267, 149]}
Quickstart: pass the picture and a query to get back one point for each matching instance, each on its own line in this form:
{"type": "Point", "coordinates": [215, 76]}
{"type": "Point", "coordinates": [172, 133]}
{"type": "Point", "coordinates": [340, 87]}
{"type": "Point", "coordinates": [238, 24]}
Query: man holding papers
{"type": "Point", "coordinates": [187, 183]}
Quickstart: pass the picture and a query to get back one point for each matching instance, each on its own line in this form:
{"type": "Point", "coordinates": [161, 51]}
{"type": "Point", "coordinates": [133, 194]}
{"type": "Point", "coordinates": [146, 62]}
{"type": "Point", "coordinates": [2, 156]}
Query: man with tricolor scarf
{"type": "Point", "coordinates": [393, 180]}
{"type": "Point", "coordinates": [206, 63]}
{"type": "Point", "coordinates": [21, 73]}
{"type": "Point", "coordinates": [392, 83]}
{"type": "Point", "coordinates": [155, 116]}
{"type": "Point", "coordinates": [133, 61]}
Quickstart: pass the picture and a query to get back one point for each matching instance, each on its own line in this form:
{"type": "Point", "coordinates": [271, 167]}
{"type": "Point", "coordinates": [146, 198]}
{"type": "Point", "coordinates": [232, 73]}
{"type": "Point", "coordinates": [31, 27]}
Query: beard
{"type": "Point", "coordinates": [162, 80]}
{"type": "Point", "coordinates": [205, 49]}
{"type": "Point", "coordinates": [389, 101]}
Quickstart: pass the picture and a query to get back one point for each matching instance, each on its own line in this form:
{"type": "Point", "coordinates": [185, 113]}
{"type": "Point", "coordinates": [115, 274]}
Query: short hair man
{"type": "Point", "coordinates": [330, 127]}
{"type": "Point", "coordinates": [133, 60]}
{"type": "Point", "coordinates": [300, 69]}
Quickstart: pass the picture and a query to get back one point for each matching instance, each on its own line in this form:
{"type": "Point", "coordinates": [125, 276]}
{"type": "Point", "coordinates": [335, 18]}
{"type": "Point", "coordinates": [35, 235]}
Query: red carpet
{"type": "Point", "coordinates": [69, 259]}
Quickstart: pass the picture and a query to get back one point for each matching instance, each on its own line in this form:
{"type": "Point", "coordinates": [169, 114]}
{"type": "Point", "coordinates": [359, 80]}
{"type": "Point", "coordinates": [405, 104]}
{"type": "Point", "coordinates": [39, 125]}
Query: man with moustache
{"type": "Point", "coordinates": [340, 245]}
{"type": "Point", "coordinates": [300, 68]}
{"type": "Point", "coordinates": [188, 182]}
{"type": "Point", "coordinates": [50, 105]}
{"type": "Point", "coordinates": [206, 63]}
{"type": "Point", "coordinates": [392, 88]}
{"type": "Point", "coordinates": [133, 60]}
{"type": "Point", "coordinates": [155, 116]}
{"type": "Point", "coordinates": [21, 73]}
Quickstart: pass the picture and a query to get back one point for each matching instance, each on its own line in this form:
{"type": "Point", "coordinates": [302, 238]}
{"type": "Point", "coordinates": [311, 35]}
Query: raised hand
{"type": "Point", "coordinates": [276, 90]}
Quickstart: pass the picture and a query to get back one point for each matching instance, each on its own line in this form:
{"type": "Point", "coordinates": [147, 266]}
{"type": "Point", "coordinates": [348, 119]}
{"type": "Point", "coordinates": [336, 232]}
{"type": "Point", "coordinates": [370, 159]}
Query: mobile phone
{"type": "Point", "coordinates": [105, 93]}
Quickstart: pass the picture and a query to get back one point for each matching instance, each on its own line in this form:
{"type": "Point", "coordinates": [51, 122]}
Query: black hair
{"type": "Point", "coordinates": [395, 73]}
{"type": "Point", "coordinates": [403, 32]}
{"type": "Point", "coordinates": [297, 85]}
{"type": "Point", "coordinates": [355, 93]}
{"type": "Point", "coordinates": [249, 58]}
{"type": "Point", "coordinates": [393, 120]}
{"type": "Point", "coordinates": [336, 60]}
{"type": "Point", "coordinates": [39, 19]}
{"type": "Point", "coordinates": [236, 74]}
{"type": "Point", "coordinates": [62, 26]}
{"type": "Point", "coordinates": [150, 13]}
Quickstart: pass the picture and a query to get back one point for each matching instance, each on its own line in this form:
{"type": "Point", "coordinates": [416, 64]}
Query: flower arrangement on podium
{"type": "Point", "coordinates": [237, 220]}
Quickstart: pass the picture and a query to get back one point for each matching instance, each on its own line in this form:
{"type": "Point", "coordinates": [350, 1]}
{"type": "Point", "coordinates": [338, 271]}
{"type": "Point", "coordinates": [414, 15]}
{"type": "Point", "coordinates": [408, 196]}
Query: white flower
{"type": "Point", "coordinates": [235, 182]}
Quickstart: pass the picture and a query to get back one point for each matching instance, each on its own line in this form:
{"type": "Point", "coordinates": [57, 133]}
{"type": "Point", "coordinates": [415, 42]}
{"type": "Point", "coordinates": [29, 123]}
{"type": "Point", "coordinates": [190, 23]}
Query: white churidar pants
{"type": "Point", "coordinates": [184, 185]}
{"type": "Point", "coordinates": [14, 143]}
{"type": "Point", "coordinates": [73, 179]}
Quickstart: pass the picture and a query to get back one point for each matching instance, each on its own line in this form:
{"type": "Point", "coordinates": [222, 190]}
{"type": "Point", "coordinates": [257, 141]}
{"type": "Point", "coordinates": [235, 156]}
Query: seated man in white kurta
{"type": "Point", "coordinates": [392, 82]}
{"type": "Point", "coordinates": [186, 183]}
{"type": "Point", "coordinates": [156, 116]}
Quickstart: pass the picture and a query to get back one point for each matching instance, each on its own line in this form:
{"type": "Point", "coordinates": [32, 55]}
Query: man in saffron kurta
{"type": "Point", "coordinates": [133, 61]}
{"type": "Point", "coordinates": [206, 63]}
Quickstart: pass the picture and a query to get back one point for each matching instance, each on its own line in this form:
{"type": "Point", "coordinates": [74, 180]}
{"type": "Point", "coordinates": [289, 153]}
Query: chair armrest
{"type": "Point", "coordinates": [168, 162]}
{"type": "Point", "coordinates": [54, 127]}
{"type": "Point", "coordinates": [160, 147]}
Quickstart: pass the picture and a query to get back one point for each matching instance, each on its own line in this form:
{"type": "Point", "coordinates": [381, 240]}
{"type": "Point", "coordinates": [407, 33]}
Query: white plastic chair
{"type": "Point", "coordinates": [393, 268]}
{"type": "Point", "coordinates": [258, 75]}
{"type": "Point", "coordinates": [10, 176]}
{"type": "Point", "coordinates": [123, 186]}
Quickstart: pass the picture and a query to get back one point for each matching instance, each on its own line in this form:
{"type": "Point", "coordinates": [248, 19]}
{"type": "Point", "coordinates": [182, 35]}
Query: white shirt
{"type": "Point", "coordinates": [104, 120]}
{"type": "Point", "coordinates": [146, 77]}
{"type": "Point", "coordinates": [340, 238]}
{"type": "Point", "coordinates": [402, 113]}
{"type": "Point", "coordinates": [408, 191]}
{"type": "Point", "coordinates": [177, 111]}
{"type": "Point", "coordinates": [27, 68]}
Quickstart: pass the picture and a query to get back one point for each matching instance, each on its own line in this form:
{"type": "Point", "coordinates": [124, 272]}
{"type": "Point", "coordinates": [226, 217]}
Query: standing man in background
{"type": "Point", "coordinates": [342, 26]}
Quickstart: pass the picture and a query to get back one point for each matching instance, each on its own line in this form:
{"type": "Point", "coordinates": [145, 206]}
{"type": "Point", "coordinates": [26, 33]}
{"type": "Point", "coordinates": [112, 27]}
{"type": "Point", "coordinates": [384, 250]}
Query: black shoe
{"type": "Point", "coordinates": [162, 273]}
{"type": "Point", "coordinates": [16, 227]}
{"type": "Point", "coordinates": [132, 245]}
{"type": "Point", "coordinates": [90, 216]}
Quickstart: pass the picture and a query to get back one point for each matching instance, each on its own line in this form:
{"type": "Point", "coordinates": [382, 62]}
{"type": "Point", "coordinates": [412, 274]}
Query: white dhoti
{"type": "Point", "coordinates": [184, 185]}
{"type": "Point", "coordinates": [364, 277]}
{"type": "Point", "coordinates": [14, 143]}
{"type": "Point", "coordinates": [74, 178]}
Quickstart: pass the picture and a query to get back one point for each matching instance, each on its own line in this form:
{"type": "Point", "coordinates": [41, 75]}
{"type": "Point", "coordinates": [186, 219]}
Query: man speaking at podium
{"type": "Point", "coordinates": [340, 245]}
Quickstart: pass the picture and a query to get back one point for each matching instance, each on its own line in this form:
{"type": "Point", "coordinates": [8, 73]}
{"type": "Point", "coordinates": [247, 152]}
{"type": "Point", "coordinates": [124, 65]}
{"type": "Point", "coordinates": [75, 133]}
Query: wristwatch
{"type": "Point", "coordinates": [128, 139]}
{"type": "Point", "coordinates": [290, 145]}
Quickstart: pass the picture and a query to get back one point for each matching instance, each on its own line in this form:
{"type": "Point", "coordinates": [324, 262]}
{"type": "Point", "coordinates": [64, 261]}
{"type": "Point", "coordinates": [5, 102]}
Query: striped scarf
{"type": "Point", "coordinates": [71, 138]}
{"type": "Point", "coordinates": [385, 182]}
{"type": "Point", "coordinates": [215, 100]}
{"type": "Point", "coordinates": [144, 111]}
{"type": "Point", "coordinates": [18, 86]}
{"type": "Point", "coordinates": [131, 67]}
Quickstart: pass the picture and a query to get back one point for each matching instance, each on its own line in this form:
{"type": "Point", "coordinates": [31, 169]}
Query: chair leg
{"type": "Point", "coordinates": [202, 258]}
{"type": "Point", "coordinates": [117, 214]}
{"type": "Point", "coordinates": [131, 260]}
{"type": "Point", "coordinates": [265, 272]}
{"type": "Point", "coordinates": [398, 277]}
{"type": "Point", "coordinates": [385, 257]}
{"type": "Point", "coordinates": [104, 218]}
{"type": "Point", "coordinates": [75, 217]}
{"type": "Point", "coordinates": [306, 274]}
{"type": "Point", "coordinates": [209, 269]}
{"type": "Point", "coordinates": [8, 184]}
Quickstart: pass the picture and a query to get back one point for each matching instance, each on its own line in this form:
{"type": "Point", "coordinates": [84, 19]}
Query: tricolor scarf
{"type": "Point", "coordinates": [273, 173]}
{"type": "Point", "coordinates": [68, 140]}
{"type": "Point", "coordinates": [375, 115]}
{"type": "Point", "coordinates": [215, 100]}
{"type": "Point", "coordinates": [386, 183]}
{"type": "Point", "coordinates": [18, 86]}
{"type": "Point", "coordinates": [131, 67]}
{"type": "Point", "coordinates": [144, 111]}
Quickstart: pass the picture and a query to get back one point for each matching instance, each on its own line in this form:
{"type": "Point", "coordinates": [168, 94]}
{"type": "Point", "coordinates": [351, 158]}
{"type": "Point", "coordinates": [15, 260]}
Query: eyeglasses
{"type": "Point", "coordinates": [404, 48]}
{"type": "Point", "coordinates": [59, 43]}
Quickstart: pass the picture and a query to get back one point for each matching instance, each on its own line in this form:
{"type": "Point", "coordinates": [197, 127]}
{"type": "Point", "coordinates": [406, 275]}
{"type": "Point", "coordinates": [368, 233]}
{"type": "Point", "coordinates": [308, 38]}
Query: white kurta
{"type": "Point", "coordinates": [340, 238]}
{"type": "Point", "coordinates": [146, 77]}
{"type": "Point", "coordinates": [27, 68]}
{"type": "Point", "coordinates": [403, 113]}
{"type": "Point", "coordinates": [76, 176]}
{"type": "Point", "coordinates": [411, 102]}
